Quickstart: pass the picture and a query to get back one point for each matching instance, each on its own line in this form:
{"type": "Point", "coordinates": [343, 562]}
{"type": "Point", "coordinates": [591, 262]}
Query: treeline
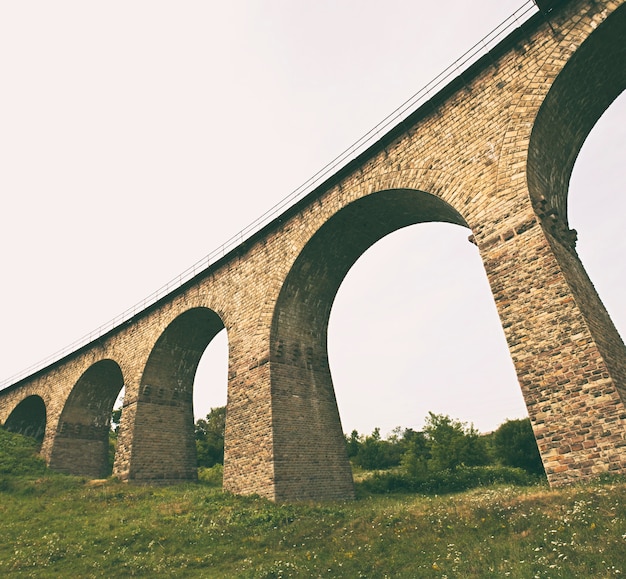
{"type": "Point", "coordinates": [408, 459]}
{"type": "Point", "coordinates": [445, 444]}
{"type": "Point", "coordinates": [447, 455]}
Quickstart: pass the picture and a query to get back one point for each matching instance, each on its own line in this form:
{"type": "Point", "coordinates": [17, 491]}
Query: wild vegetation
{"type": "Point", "coordinates": [210, 438]}
{"type": "Point", "coordinates": [446, 456]}
{"type": "Point", "coordinates": [60, 526]}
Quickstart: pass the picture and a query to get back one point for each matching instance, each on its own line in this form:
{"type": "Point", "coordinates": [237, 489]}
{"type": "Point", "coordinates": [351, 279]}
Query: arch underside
{"type": "Point", "coordinates": [590, 81]}
{"type": "Point", "coordinates": [28, 418]}
{"type": "Point", "coordinates": [309, 448]}
{"type": "Point", "coordinates": [163, 439]}
{"type": "Point", "coordinates": [81, 443]}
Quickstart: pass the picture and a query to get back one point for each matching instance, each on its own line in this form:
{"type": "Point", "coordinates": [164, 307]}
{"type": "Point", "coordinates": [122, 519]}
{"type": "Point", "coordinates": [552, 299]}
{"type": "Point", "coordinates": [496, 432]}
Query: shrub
{"type": "Point", "coordinates": [447, 481]}
{"type": "Point", "coordinates": [515, 445]}
{"type": "Point", "coordinates": [416, 456]}
{"type": "Point", "coordinates": [375, 453]}
{"type": "Point", "coordinates": [353, 443]}
{"type": "Point", "coordinates": [212, 476]}
{"type": "Point", "coordinates": [464, 478]}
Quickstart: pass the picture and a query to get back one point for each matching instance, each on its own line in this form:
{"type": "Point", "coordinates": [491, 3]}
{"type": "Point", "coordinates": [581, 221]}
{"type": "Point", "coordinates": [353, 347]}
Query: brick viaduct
{"type": "Point", "coordinates": [493, 152]}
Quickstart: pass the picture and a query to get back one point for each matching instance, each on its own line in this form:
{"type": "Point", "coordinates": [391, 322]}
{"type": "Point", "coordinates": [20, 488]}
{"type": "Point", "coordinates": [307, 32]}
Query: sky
{"type": "Point", "coordinates": [136, 137]}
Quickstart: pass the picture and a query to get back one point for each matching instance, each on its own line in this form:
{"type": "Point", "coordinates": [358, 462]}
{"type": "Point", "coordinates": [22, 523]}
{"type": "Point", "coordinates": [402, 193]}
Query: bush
{"type": "Point", "coordinates": [375, 453]}
{"type": "Point", "coordinates": [353, 443]}
{"type": "Point", "coordinates": [515, 445]}
{"type": "Point", "coordinates": [381, 483]}
{"type": "Point", "coordinates": [448, 456]}
{"type": "Point", "coordinates": [464, 478]}
{"type": "Point", "coordinates": [416, 456]}
{"type": "Point", "coordinates": [452, 443]}
{"type": "Point", "coordinates": [447, 481]}
{"type": "Point", "coordinates": [212, 476]}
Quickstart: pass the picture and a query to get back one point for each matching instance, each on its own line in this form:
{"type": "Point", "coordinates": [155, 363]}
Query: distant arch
{"type": "Point", "coordinates": [163, 443]}
{"type": "Point", "coordinates": [82, 440]}
{"type": "Point", "coordinates": [28, 418]}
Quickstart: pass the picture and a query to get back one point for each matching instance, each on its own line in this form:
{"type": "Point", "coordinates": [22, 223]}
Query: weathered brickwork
{"type": "Point", "coordinates": [493, 152]}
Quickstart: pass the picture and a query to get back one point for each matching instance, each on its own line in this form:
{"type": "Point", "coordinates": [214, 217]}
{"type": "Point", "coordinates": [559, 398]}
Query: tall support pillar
{"type": "Point", "coordinates": [248, 441]}
{"type": "Point", "coordinates": [284, 439]}
{"type": "Point", "coordinates": [569, 358]}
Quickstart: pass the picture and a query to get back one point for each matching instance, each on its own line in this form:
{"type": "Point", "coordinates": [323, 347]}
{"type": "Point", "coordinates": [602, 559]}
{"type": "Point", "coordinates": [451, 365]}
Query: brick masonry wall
{"type": "Point", "coordinates": [494, 155]}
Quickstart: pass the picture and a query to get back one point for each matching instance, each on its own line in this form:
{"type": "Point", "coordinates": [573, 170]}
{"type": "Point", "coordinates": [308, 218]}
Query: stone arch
{"type": "Point", "coordinates": [28, 418]}
{"type": "Point", "coordinates": [309, 450]}
{"type": "Point", "coordinates": [163, 443]}
{"type": "Point", "coordinates": [81, 443]}
{"type": "Point", "coordinates": [590, 81]}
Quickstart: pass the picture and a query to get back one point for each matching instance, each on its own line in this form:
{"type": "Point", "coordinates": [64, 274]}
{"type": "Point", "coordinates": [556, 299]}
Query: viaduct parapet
{"type": "Point", "coordinates": [492, 152]}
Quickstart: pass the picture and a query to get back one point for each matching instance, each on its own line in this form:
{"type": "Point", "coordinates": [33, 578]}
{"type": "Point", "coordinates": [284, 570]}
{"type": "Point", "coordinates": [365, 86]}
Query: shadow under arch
{"type": "Point", "coordinates": [163, 447]}
{"type": "Point", "coordinates": [309, 448]}
{"type": "Point", "coordinates": [589, 83]}
{"type": "Point", "coordinates": [28, 418]}
{"type": "Point", "coordinates": [81, 443]}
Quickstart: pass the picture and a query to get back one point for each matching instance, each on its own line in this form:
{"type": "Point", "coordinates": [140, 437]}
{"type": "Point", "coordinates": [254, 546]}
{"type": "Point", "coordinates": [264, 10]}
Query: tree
{"type": "Point", "coordinates": [376, 453]}
{"type": "Point", "coordinates": [515, 445]}
{"type": "Point", "coordinates": [353, 443]}
{"type": "Point", "coordinates": [210, 437]}
{"type": "Point", "coordinates": [416, 455]}
{"type": "Point", "coordinates": [453, 443]}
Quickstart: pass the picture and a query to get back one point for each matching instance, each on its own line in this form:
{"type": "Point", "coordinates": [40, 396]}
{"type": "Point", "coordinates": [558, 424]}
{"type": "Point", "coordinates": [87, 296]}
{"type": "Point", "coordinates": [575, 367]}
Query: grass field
{"type": "Point", "coordinates": [59, 526]}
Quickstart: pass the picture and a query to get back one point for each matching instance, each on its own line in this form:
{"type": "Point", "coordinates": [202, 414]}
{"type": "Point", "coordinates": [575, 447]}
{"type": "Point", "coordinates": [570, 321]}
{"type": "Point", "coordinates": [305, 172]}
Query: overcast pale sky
{"type": "Point", "coordinates": [137, 136]}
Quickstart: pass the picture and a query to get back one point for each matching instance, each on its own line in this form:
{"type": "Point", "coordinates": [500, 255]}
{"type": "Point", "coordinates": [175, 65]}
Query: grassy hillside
{"type": "Point", "coordinates": [59, 526]}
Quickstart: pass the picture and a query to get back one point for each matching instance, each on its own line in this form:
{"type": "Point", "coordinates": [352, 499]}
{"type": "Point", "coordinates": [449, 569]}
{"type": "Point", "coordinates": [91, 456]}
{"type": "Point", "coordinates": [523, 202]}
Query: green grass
{"type": "Point", "coordinates": [59, 526]}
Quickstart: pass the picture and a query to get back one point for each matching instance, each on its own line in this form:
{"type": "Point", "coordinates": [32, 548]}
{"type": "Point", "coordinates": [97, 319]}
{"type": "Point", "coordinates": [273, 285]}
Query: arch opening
{"type": "Point", "coordinates": [211, 378]}
{"type": "Point", "coordinates": [164, 448]}
{"type": "Point", "coordinates": [81, 443]}
{"type": "Point", "coordinates": [28, 418]}
{"type": "Point", "coordinates": [308, 293]}
{"type": "Point", "coordinates": [425, 336]}
{"type": "Point", "coordinates": [308, 436]}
